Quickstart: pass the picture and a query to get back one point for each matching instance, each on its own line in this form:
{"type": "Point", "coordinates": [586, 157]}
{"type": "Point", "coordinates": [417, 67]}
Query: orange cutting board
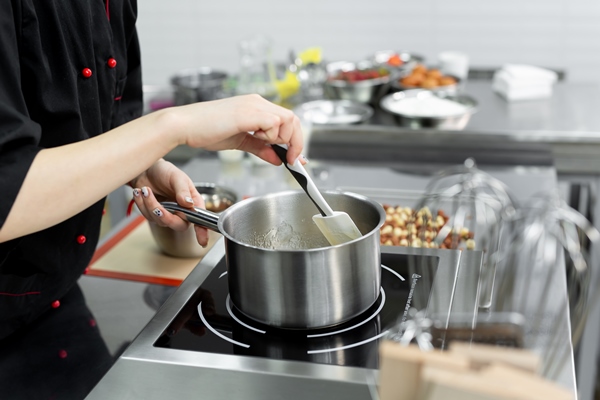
{"type": "Point", "coordinates": [132, 254]}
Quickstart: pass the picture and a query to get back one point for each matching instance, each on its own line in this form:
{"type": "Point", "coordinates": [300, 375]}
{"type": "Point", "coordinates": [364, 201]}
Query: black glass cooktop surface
{"type": "Point", "coordinates": [210, 323]}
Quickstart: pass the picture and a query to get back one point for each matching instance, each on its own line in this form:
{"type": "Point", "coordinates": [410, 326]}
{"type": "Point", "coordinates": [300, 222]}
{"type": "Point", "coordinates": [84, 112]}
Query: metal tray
{"type": "Point", "coordinates": [463, 208]}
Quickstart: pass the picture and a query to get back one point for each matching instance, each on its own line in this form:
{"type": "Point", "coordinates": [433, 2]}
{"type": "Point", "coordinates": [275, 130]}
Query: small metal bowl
{"type": "Point", "coordinates": [364, 91]}
{"type": "Point", "coordinates": [333, 112]}
{"type": "Point", "coordinates": [435, 119]}
{"type": "Point", "coordinates": [409, 60]}
{"type": "Point", "coordinates": [198, 84]}
{"type": "Point", "coordinates": [184, 244]}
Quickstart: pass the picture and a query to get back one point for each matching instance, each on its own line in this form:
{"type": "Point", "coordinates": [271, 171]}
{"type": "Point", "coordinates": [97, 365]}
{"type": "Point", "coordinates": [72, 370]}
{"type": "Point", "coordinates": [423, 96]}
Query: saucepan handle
{"type": "Point", "coordinates": [198, 216]}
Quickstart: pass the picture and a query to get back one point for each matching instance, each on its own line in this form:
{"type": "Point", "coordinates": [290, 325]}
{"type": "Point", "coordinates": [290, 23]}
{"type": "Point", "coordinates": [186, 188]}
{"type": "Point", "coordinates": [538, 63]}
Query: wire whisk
{"type": "Point", "coordinates": [476, 207]}
{"type": "Point", "coordinates": [544, 259]}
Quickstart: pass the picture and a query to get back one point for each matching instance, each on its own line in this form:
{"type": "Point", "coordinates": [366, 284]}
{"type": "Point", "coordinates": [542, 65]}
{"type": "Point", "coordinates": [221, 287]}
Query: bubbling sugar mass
{"type": "Point", "coordinates": [283, 237]}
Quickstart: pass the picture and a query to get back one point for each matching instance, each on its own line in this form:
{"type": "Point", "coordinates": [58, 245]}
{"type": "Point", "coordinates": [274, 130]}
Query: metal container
{"type": "Point", "coordinates": [409, 60]}
{"type": "Point", "coordinates": [198, 84]}
{"type": "Point", "coordinates": [333, 112]}
{"type": "Point", "coordinates": [365, 91]}
{"type": "Point", "coordinates": [282, 272]}
{"type": "Point", "coordinates": [184, 244]}
{"type": "Point", "coordinates": [456, 121]}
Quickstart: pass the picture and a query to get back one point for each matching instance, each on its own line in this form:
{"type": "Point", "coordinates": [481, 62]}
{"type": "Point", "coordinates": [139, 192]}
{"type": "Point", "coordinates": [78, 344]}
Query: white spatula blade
{"type": "Point", "coordinates": [337, 228]}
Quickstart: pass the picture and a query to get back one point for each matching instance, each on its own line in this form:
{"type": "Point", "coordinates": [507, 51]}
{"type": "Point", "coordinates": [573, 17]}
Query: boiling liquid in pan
{"type": "Point", "coordinates": [283, 237]}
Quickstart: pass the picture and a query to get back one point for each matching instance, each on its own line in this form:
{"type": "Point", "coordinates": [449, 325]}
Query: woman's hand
{"type": "Point", "coordinates": [99, 165]}
{"type": "Point", "coordinates": [225, 124]}
{"type": "Point", "coordinates": [164, 181]}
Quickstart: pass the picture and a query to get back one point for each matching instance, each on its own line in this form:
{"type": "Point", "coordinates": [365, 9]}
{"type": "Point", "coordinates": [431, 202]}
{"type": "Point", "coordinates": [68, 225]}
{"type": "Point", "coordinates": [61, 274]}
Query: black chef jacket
{"type": "Point", "coordinates": [69, 70]}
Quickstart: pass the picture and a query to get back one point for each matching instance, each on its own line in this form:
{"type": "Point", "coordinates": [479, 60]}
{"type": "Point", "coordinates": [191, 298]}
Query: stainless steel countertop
{"type": "Point", "coordinates": [563, 130]}
{"type": "Point", "coordinates": [144, 371]}
{"type": "Point", "coordinates": [570, 114]}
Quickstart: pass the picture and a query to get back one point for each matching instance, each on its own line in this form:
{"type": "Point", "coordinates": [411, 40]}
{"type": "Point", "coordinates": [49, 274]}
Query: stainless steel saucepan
{"type": "Point", "coordinates": [282, 272]}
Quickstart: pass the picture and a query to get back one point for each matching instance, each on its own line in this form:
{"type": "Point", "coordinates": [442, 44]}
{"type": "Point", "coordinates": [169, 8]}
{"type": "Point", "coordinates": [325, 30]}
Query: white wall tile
{"type": "Point", "coordinates": [551, 33]}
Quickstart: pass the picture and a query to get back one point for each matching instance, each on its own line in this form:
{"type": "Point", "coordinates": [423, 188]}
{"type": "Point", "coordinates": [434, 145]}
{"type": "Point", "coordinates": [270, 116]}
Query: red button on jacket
{"type": "Point", "coordinates": [81, 239]}
{"type": "Point", "coordinates": [55, 304]}
{"type": "Point", "coordinates": [111, 63]}
{"type": "Point", "coordinates": [86, 72]}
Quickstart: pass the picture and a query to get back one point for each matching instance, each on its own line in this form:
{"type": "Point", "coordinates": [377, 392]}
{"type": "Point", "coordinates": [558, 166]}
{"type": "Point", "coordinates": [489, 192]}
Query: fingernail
{"type": "Point", "coordinates": [301, 158]}
{"type": "Point", "coordinates": [189, 200]}
{"type": "Point", "coordinates": [145, 191]}
{"type": "Point", "coordinates": [157, 212]}
{"type": "Point", "coordinates": [136, 192]}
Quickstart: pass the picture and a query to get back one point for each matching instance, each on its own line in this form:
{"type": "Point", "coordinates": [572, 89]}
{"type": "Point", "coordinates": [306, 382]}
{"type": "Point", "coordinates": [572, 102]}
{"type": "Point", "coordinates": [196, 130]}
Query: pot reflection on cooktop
{"type": "Point", "coordinates": [210, 323]}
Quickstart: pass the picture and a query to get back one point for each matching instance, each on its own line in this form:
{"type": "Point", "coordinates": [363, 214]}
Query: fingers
{"type": "Point", "coordinates": [169, 183]}
{"type": "Point", "coordinates": [225, 123]}
{"type": "Point", "coordinates": [153, 211]}
{"type": "Point", "coordinates": [268, 121]}
{"type": "Point", "coordinates": [197, 201]}
{"type": "Point", "coordinates": [186, 193]}
{"type": "Point", "coordinates": [296, 142]}
{"type": "Point", "coordinates": [277, 126]}
{"type": "Point", "coordinates": [201, 235]}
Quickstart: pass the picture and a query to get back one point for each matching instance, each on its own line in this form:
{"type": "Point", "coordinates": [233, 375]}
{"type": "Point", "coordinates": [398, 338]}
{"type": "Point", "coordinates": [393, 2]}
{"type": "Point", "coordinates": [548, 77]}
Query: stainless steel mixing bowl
{"type": "Point", "coordinates": [198, 84]}
{"type": "Point", "coordinates": [457, 121]}
{"type": "Point", "coordinates": [364, 91]}
{"type": "Point", "coordinates": [184, 243]}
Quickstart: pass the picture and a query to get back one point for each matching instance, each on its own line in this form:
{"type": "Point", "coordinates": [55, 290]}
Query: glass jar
{"type": "Point", "coordinates": [257, 71]}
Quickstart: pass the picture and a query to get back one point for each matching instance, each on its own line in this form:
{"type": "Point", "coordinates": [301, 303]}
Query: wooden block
{"type": "Point", "coordinates": [399, 371]}
{"type": "Point", "coordinates": [485, 354]}
{"type": "Point", "coordinates": [540, 387]}
{"type": "Point", "coordinates": [400, 368]}
{"type": "Point", "coordinates": [407, 373]}
{"type": "Point", "coordinates": [444, 359]}
{"type": "Point", "coordinates": [499, 382]}
{"type": "Point", "coordinates": [443, 384]}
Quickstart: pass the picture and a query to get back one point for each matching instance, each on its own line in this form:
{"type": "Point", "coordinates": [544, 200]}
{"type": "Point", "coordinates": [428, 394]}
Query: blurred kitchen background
{"type": "Point", "coordinates": [557, 34]}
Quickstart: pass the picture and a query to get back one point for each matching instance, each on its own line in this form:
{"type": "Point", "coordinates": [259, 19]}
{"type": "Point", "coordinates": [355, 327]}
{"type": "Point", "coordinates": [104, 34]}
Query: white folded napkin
{"type": "Point", "coordinates": [529, 74]}
{"type": "Point", "coordinates": [523, 82]}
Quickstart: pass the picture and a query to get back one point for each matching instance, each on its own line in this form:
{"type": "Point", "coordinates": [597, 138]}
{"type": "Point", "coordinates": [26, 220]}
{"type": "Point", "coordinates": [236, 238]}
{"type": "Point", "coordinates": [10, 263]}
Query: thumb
{"type": "Point", "coordinates": [188, 196]}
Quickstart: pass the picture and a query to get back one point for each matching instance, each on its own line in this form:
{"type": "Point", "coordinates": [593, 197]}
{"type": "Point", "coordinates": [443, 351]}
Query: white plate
{"type": "Point", "coordinates": [333, 112]}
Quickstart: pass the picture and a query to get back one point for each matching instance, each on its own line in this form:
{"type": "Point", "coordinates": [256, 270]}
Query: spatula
{"type": "Point", "coordinates": [336, 226]}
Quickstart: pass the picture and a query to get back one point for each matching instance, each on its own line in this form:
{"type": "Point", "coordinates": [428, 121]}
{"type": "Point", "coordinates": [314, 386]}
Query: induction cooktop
{"type": "Point", "coordinates": [209, 322]}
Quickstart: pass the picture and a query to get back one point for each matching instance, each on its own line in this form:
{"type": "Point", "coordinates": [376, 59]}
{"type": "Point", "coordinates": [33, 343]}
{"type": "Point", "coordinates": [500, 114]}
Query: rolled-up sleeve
{"type": "Point", "coordinates": [19, 135]}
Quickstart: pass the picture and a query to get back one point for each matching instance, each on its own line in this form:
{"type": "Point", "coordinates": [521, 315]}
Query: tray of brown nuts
{"type": "Point", "coordinates": [410, 225]}
{"type": "Point", "coordinates": [405, 226]}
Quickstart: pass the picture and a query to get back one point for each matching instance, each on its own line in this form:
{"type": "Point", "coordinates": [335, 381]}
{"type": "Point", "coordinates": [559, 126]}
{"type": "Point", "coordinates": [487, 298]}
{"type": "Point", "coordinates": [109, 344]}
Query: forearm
{"type": "Point", "coordinates": [63, 181]}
